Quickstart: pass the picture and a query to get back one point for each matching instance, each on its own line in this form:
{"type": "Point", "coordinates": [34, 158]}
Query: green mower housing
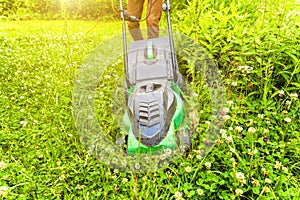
{"type": "Point", "coordinates": [155, 108]}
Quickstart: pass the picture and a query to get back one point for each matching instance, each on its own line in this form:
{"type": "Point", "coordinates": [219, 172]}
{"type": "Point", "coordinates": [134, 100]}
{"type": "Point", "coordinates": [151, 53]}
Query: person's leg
{"type": "Point", "coordinates": [154, 17]}
{"type": "Point", "coordinates": [135, 8]}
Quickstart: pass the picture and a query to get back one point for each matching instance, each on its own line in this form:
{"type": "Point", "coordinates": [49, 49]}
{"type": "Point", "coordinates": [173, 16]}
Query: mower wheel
{"type": "Point", "coordinates": [184, 141]}
{"type": "Point", "coordinates": [120, 142]}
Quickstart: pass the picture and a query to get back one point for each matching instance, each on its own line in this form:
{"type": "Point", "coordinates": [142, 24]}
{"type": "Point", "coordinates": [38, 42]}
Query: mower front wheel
{"type": "Point", "coordinates": [184, 141]}
{"type": "Point", "coordinates": [121, 143]}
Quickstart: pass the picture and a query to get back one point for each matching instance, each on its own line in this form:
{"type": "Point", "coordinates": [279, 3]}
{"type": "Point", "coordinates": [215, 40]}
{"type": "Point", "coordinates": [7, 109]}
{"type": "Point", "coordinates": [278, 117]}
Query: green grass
{"type": "Point", "coordinates": [45, 159]}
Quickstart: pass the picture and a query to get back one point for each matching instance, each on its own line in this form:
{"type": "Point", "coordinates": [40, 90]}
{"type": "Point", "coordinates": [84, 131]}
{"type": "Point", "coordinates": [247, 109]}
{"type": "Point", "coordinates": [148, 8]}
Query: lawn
{"type": "Point", "coordinates": [42, 157]}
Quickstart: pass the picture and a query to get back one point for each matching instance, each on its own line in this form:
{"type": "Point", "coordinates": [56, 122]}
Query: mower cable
{"type": "Point", "coordinates": [148, 14]}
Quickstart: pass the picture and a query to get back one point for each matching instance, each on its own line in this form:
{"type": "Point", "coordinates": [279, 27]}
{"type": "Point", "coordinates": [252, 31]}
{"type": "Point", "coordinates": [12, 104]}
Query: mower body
{"type": "Point", "coordinates": [154, 105]}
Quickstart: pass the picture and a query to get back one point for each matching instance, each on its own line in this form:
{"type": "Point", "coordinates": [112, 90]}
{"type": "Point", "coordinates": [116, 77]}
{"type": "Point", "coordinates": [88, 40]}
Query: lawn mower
{"type": "Point", "coordinates": [155, 108]}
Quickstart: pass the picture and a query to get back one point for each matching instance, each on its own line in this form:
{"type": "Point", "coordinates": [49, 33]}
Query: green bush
{"type": "Point", "coordinates": [263, 35]}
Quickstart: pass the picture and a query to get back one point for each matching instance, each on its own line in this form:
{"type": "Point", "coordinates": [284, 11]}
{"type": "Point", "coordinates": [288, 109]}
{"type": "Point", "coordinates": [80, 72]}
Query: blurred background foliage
{"type": "Point", "coordinates": [58, 9]}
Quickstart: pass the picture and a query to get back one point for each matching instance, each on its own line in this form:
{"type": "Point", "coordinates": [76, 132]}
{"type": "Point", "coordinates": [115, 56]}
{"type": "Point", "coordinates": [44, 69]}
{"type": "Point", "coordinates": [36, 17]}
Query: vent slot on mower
{"type": "Point", "coordinates": [149, 113]}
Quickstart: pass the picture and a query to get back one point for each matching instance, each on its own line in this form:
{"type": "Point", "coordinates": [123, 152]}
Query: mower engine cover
{"type": "Point", "coordinates": [151, 107]}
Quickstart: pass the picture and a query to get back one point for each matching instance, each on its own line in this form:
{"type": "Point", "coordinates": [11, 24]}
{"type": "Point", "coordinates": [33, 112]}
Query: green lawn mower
{"type": "Point", "coordinates": [155, 107]}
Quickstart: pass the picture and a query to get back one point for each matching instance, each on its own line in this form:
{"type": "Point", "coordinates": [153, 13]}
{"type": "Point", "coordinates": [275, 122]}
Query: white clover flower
{"type": "Point", "coordinates": [168, 151]}
{"type": "Point", "coordinates": [223, 133]}
{"type": "Point", "coordinates": [288, 103]}
{"type": "Point", "coordinates": [3, 191]}
{"type": "Point", "coordinates": [264, 171]}
{"type": "Point", "coordinates": [261, 116]}
{"type": "Point", "coordinates": [245, 69]}
{"type": "Point", "coordinates": [163, 156]}
{"type": "Point", "coordinates": [250, 69]}
{"type": "Point", "coordinates": [62, 177]}
{"type": "Point", "coordinates": [281, 93]}
{"type": "Point", "coordinates": [229, 139]}
{"type": "Point", "coordinates": [226, 110]}
{"type": "Point", "coordinates": [79, 187]}
{"type": "Point", "coordinates": [277, 165]}
{"type": "Point", "coordinates": [267, 180]}
{"type": "Point", "coordinates": [137, 165]}
{"type": "Point", "coordinates": [239, 192]}
{"type": "Point", "coordinates": [255, 182]}
{"type": "Point", "coordinates": [285, 169]}
{"type": "Point", "coordinates": [177, 194]}
{"type": "Point", "coordinates": [124, 180]}
{"type": "Point", "coordinates": [287, 119]}
{"type": "Point", "coordinates": [207, 122]}
{"type": "Point", "coordinates": [230, 128]}
{"type": "Point", "coordinates": [266, 189]}
{"type": "Point", "coordinates": [265, 131]}
{"type": "Point", "coordinates": [232, 149]}
{"type": "Point", "coordinates": [194, 94]}
{"type": "Point", "coordinates": [116, 187]}
{"type": "Point", "coordinates": [226, 117]}
{"type": "Point", "coordinates": [251, 153]}
{"type": "Point", "coordinates": [188, 169]}
{"type": "Point", "coordinates": [114, 177]}
{"type": "Point", "coordinates": [240, 176]}
{"type": "Point", "coordinates": [23, 123]}
{"type": "Point", "coordinates": [243, 182]}
{"type": "Point", "coordinates": [200, 192]}
{"type": "Point", "coordinates": [41, 156]}
{"type": "Point", "coordinates": [239, 129]}
{"type": "Point", "coordinates": [240, 68]}
{"type": "Point", "coordinates": [2, 165]}
{"type": "Point", "coordinates": [230, 102]}
{"type": "Point", "coordinates": [251, 130]}
{"type": "Point", "coordinates": [208, 165]}
{"type": "Point", "coordinates": [294, 96]}
{"type": "Point", "coordinates": [234, 83]}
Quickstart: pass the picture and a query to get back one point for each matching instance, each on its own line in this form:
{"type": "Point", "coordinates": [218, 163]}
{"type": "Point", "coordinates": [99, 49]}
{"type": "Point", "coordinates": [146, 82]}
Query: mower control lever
{"type": "Point", "coordinates": [130, 18]}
